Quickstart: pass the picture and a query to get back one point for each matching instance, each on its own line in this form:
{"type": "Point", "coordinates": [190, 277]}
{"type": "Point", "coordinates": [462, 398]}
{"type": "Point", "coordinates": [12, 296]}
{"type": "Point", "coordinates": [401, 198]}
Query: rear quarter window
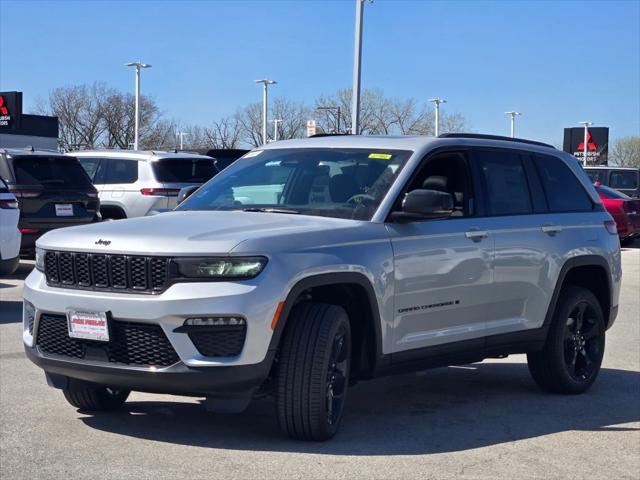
{"type": "Point", "coordinates": [562, 188]}
{"type": "Point", "coordinates": [506, 182]}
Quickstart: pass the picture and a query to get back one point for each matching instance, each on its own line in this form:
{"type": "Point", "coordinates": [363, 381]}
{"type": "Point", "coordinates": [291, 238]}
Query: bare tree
{"type": "Point", "coordinates": [79, 110]}
{"type": "Point", "coordinates": [453, 123]}
{"type": "Point", "coordinates": [626, 152]}
{"type": "Point", "coordinates": [119, 120]}
{"type": "Point", "coordinates": [224, 133]}
{"type": "Point", "coordinates": [250, 123]}
{"type": "Point", "coordinates": [293, 116]}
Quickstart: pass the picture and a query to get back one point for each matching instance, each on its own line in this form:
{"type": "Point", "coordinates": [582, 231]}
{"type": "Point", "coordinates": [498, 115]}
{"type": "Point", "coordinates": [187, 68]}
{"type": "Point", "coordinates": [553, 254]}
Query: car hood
{"type": "Point", "coordinates": [196, 233]}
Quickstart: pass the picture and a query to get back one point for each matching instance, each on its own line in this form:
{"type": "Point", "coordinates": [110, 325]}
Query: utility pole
{"type": "Point", "coordinates": [437, 101]}
{"type": "Point", "coordinates": [276, 121]}
{"type": "Point", "coordinates": [357, 62]}
{"type": "Point", "coordinates": [513, 114]}
{"type": "Point", "coordinates": [265, 85]}
{"type": "Point", "coordinates": [586, 125]}
{"type": "Point", "coordinates": [139, 65]}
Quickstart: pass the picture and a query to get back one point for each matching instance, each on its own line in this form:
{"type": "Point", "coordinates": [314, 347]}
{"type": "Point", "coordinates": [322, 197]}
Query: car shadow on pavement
{"type": "Point", "coordinates": [23, 270]}
{"type": "Point", "coordinates": [444, 410]}
{"type": "Point", "coordinates": [10, 311]}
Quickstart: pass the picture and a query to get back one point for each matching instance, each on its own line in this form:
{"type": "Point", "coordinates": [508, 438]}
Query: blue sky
{"type": "Point", "coordinates": [559, 62]}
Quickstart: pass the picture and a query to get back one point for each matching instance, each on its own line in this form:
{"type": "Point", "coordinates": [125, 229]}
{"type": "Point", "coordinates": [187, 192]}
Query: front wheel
{"type": "Point", "coordinates": [571, 358]}
{"type": "Point", "coordinates": [313, 371]}
{"type": "Point", "coordinates": [96, 398]}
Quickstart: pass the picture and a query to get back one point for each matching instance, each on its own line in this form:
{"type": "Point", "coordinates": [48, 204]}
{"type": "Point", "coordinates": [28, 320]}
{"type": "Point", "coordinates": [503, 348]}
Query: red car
{"type": "Point", "coordinates": [624, 210]}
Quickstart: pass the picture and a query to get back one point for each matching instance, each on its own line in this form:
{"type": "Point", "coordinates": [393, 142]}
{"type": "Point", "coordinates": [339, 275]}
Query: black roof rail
{"type": "Point", "coordinates": [494, 137]}
{"type": "Point", "coordinates": [318, 135]}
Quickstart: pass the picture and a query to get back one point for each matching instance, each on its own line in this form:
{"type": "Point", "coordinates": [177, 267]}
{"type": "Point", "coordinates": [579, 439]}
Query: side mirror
{"type": "Point", "coordinates": [185, 192]}
{"type": "Point", "coordinates": [425, 204]}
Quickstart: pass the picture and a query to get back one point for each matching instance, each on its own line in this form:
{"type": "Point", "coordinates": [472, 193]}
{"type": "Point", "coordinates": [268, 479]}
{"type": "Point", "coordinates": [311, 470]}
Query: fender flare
{"type": "Point", "coordinates": [327, 279]}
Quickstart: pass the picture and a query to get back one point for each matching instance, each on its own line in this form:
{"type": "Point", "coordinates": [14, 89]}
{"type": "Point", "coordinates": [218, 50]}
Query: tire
{"type": "Point", "coordinates": [627, 242]}
{"type": "Point", "coordinates": [313, 371]}
{"type": "Point", "coordinates": [96, 398]}
{"type": "Point", "coordinates": [9, 266]}
{"type": "Point", "coordinates": [572, 355]}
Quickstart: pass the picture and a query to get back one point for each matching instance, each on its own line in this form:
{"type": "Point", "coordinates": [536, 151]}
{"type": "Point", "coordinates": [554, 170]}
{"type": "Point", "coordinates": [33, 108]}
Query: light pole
{"type": "Point", "coordinates": [276, 121]}
{"type": "Point", "coordinates": [437, 101]}
{"type": "Point", "coordinates": [357, 62]}
{"type": "Point", "coordinates": [181, 135]}
{"type": "Point", "coordinates": [265, 85]}
{"type": "Point", "coordinates": [138, 66]}
{"type": "Point", "coordinates": [338, 112]}
{"type": "Point", "coordinates": [586, 125]}
{"type": "Point", "coordinates": [513, 114]}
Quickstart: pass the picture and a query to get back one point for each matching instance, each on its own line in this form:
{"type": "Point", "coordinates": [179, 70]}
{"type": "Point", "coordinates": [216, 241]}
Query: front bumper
{"type": "Point", "coordinates": [178, 379]}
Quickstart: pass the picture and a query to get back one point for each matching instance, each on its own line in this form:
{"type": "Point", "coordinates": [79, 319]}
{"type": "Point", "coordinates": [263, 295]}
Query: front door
{"type": "Point", "coordinates": [443, 276]}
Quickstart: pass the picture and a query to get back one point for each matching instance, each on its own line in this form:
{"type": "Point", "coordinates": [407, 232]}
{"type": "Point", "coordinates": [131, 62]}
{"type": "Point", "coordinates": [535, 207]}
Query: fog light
{"type": "Point", "coordinates": [215, 321]}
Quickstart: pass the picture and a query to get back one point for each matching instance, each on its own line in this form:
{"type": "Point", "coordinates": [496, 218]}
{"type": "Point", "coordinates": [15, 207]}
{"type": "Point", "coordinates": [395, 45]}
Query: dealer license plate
{"type": "Point", "coordinates": [88, 325]}
{"type": "Point", "coordinates": [64, 210]}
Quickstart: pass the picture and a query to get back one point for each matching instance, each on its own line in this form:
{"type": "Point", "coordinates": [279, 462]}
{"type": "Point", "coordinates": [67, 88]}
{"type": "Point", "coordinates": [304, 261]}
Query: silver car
{"type": "Point", "coordinates": [309, 265]}
{"type": "Point", "coordinates": [132, 183]}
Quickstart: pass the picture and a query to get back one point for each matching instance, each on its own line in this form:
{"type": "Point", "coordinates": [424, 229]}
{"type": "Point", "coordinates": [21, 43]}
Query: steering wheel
{"type": "Point", "coordinates": [361, 199]}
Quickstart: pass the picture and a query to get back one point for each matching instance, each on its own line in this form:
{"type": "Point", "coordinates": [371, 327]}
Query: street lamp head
{"type": "Point", "coordinates": [266, 81]}
{"type": "Point", "coordinates": [585, 123]}
{"type": "Point", "coordinates": [137, 64]}
{"type": "Point", "coordinates": [437, 100]}
{"type": "Point", "coordinates": [513, 113]}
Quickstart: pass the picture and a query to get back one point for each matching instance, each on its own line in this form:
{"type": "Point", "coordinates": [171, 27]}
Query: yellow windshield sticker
{"type": "Point", "coordinates": [381, 156]}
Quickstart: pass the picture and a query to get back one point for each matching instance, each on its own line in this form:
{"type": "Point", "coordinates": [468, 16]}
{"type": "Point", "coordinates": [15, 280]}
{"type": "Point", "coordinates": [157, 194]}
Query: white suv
{"type": "Point", "coordinates": [308, 265]}
{"type": "Point", "coordinates": [132, 183]}
{"type": "Point", "coordinates": [9, 234]}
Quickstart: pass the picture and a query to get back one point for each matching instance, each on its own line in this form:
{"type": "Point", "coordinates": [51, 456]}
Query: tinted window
{"type": "Point", "coordinates": [184, 170]}
{"type": "Point", "coordinates": [563, 190]}
{"type": "Point", "coordinates": [50, 172]}
{"type": "Point", "coordinates": [120, 171]}
{"type": "Point", "coordinates": [3, 186]}
{"type": "Point", "coordinates": [506, 182]}
{"type": "Point", "coordinates": [623, 179]}
{"type": "Point", "coordinates": [332, 182]}
{"type": "Point", "coordinates": [90, 166]}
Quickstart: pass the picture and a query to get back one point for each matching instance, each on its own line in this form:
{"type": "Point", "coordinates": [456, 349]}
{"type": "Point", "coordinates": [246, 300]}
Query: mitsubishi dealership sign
{"type": "Point", "coordinates": [10, 109]}
{"type": "Point", "coordinates": [597, 144]}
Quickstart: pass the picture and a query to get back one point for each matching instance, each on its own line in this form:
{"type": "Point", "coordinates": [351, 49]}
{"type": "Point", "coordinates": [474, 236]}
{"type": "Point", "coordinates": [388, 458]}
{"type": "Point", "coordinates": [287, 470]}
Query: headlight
{"type": "Point", "coordinates": [40, 259]}
{"type": "Point", "coordinates": [220, 268]}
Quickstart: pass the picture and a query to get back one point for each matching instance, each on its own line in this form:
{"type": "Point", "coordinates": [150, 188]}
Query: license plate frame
{"type": "Point", "coordinates": [89, 325]}
{"type": "Point", "coordinates": [64, 209]}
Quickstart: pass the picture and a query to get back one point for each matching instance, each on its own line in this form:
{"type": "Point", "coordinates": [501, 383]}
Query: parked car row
{"type": "Point", "coordinates": [624, 179]}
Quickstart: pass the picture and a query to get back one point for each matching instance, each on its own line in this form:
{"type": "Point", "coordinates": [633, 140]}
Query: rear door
{"type": "Point", "coordinates": [176, 173]}
{"type": "Point", "coordinates": [524, 240]}
{"type": "Point", "coordinates": [53, 191]}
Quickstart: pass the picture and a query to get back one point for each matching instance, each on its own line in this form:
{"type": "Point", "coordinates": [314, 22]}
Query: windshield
{"type": "Point", "coordinates": [184, 170]}
{"type": "Point", "coordinates": [51, 173]}
{"type": "Point", "coordinates": [341, 183]}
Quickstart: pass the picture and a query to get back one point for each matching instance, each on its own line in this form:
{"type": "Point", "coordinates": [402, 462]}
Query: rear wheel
{"type": "Point", "coordinates": [571, 358]}
{"type": "Point", "coordinates": [313, 371]}
{"type": "Point", "coordinates": [97, 398]}
{"type": "Point", "coordinates": [7, 267]}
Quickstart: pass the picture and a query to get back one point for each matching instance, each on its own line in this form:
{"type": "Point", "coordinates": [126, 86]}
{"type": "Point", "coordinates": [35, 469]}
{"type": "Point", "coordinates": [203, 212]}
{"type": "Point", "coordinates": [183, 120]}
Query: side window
{"type": "Point", "coordinates": [563, 190]}
{"type": "Point", "coordinates": [121, 171]}
{"type": "Point", "coordinates": [447, 172]}
{"type": "Point", "coordinates": [597, 175]}
{"type": "Point", "coordinates": [627, 179]}
{"type": "Point", "coordinates": [505, 181]}
{"type": "Point", "coordinates": [90, 166]}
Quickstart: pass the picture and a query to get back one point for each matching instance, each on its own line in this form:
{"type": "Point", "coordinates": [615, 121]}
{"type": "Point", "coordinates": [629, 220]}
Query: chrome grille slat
{"type": "Point", "coordinates": [106, 272]}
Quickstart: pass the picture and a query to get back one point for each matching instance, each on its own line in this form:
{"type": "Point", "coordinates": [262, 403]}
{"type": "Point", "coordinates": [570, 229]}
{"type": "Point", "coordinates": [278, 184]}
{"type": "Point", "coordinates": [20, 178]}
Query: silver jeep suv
{"type": "Point", "coordinates": [308, 265]}
{"type": "Point", "coordinates": [133, 183]}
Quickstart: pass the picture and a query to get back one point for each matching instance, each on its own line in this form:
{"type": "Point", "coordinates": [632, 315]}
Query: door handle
{"type": "Point", "coordinates": [551, 229]}
{"type": "Point", "coordinates": [476, 235]}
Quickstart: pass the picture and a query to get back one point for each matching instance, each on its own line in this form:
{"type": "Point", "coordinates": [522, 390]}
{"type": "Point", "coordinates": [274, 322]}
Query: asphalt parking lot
{"type": "Point", "coordinates": [484, 420]}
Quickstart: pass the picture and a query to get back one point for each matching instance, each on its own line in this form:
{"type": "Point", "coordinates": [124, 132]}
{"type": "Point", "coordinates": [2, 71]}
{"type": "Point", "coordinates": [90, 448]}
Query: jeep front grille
{"type": "Point", "coordinates": [109, 272]}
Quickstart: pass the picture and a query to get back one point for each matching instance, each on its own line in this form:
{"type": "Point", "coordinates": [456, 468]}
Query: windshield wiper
{"type": "Point", "coordinates": [269, 210]}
